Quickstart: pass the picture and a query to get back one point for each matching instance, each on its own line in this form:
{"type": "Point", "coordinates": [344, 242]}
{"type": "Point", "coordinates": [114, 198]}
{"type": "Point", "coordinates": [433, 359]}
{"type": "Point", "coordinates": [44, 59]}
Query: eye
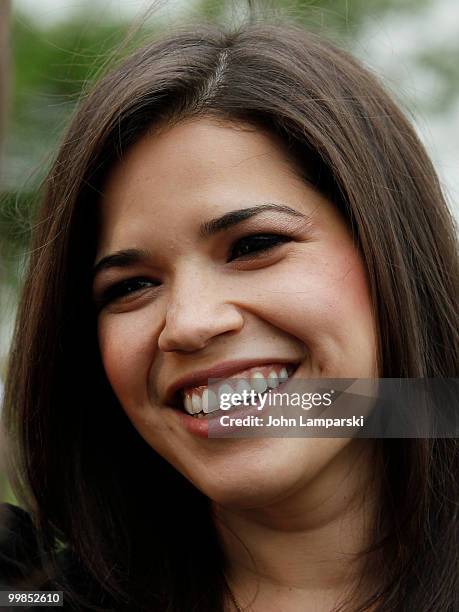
{"type": "Point", "coordinates": [123, 289]}
{"type": "Point", "coordinates": [250, 246]}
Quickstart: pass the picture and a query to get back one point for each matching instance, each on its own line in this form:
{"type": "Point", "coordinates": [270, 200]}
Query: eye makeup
{"type": "Point", "coordinates": [261, 236]}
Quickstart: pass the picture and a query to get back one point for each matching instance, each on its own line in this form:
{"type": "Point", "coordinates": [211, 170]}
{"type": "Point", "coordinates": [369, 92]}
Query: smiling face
{"type": "Point", "coordinates": [233, 262]}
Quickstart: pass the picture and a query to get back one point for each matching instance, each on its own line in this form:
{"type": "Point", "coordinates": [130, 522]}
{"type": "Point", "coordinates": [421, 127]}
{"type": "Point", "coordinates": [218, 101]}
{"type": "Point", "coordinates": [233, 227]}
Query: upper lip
{"type": "Point", "coordinates": [221, 370]}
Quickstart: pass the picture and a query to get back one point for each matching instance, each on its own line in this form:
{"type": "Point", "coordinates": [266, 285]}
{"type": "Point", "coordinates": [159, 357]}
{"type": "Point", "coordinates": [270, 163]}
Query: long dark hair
{"type": "Point", "coordinates": [140, 533]}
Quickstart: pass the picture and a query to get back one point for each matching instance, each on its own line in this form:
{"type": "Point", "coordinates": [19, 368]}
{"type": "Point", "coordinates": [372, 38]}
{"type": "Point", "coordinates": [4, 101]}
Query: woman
{"type": "Point", "coordinates": [223, 204]}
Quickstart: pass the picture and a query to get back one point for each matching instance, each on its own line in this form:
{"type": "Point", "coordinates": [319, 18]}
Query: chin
{"type": "Point", "coordinates": [250, 485]}
{"type": "Point", "coordinates": [265, 475]}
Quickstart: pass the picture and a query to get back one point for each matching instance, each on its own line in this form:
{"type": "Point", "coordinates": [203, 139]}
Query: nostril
{"type": "Point", "coordinates": [181, 342]}
{"type": "Point", "coordinates": [181, 347]}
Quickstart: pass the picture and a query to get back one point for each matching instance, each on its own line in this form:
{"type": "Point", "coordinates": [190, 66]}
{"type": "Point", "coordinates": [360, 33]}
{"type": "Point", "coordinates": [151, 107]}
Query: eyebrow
{"type": "Point", "coordinates": [209, 228]}
{"type": "Point", "coordinates": [131, 257]}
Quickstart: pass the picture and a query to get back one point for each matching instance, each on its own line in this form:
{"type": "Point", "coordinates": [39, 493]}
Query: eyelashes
{"type": "Point", "coordinates": [246, 249]}
{"type": "Point", "coordinates": [123, 289]}
{"type": "Point", "coordinates": [251, 246]}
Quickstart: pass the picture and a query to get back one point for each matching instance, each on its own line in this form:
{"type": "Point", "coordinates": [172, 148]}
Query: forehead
{"type": "Point", "coordinates": [174, 178]}
{"type": "Point", "coordinates": [196, 150]}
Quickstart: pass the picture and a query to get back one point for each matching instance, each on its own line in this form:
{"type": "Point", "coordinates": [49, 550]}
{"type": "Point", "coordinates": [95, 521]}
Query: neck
{"type": "Point", "coordinates": [303, 547]}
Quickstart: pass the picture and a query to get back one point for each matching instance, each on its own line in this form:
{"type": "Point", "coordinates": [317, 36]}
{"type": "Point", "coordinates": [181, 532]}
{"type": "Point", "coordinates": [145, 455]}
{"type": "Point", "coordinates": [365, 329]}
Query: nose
{"type": "Point", "coordinates": [196, 313]}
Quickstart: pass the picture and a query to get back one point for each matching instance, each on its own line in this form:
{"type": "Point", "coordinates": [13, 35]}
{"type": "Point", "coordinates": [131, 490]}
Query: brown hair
{"type": "Point", "coordinates": [87, 476]}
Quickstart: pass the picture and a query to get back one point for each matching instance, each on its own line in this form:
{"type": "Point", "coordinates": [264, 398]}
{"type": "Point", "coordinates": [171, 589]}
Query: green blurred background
{"type": "Point", "coordinates": [58, 48]}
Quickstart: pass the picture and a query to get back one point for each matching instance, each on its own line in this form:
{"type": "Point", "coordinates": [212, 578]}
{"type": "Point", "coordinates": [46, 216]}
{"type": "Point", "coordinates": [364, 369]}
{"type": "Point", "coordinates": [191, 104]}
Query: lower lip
{"type": "Point", "coordinates": [200, 427]}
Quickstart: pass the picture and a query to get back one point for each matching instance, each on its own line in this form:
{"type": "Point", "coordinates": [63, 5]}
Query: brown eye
{"type": "Point", "coordinates": [251, 246]}
{"type": "Point", "coordinates": [124, 288]}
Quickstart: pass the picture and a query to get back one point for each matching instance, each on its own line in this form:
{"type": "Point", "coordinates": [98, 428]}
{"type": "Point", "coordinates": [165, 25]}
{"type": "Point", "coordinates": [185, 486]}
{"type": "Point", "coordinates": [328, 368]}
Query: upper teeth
{"type": "Point", "coordinates": [260, 379]}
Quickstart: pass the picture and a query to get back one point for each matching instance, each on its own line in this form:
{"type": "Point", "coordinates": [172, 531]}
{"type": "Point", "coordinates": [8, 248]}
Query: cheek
{"type": "Point", "coordinates": [127, 346]}
{"type": "Point", "coordinates": [346, 319]}
{"type": "Point", "coordinates": [354, 323]}
{"type": "Point", "coordinates": [329, 308]}
{"type": "Point", "coordinates": [348, 294]}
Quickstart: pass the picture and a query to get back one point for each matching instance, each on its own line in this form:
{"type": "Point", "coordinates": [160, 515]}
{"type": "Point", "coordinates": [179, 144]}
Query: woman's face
{"type": "Point", "coordinates": [234, 264]}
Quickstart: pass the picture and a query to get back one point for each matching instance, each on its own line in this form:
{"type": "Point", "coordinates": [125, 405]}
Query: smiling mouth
{"type": "Point", "coordinates": [201, 401]}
